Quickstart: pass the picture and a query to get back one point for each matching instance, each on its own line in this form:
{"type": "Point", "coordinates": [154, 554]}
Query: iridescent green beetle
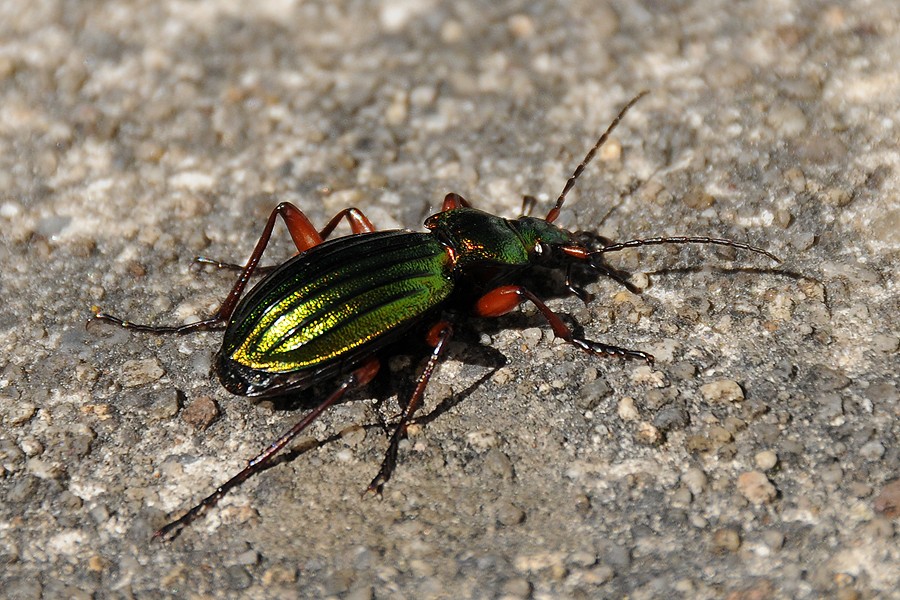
{"type": "Point", "coordinates": [326, 312]}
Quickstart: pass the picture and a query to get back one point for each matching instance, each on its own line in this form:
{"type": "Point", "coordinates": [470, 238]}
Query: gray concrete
{"type": "Point", "coordinates": [753, 461]}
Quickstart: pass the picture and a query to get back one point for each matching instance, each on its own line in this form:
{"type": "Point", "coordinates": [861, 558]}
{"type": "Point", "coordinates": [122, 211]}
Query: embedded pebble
{"type": "Point", "coordinates": [671, 418]}
{"type": "Point", "coordinates": [141, 372]}
{"type": "Point", "coordinates": [756, 487]}
{"type": "Point", "coordinates": [724, 390]}
{"type": "Point", "coordinates": [773, 538]}
{"type": "Point", "coordinates": [353, 435]}
{"type": "Point", "coordinates": [517, 587]}
{"type": "Point", "coordinates": [695, 480]}
{"type": "Point", "coordinates": [887, 502]}
{"type": "Point", "coordinates": [509, 514]}
{"type": "Point", "coordinates": [827, 379]}
{"type": "Point", "coordinates": [482, 439]}
{"type": "Point", "coordinates": [598, 575]}
{"type": "Point", "coordinates": [626, 409]}
{"type": "Point", "coordinates": [787, 119]}
{"type": "Point", "coordinates": [647, 434]}
{"type": "Point", "coordinates": [885, 343]}
{"type": "Point", "coordinates": [872, 451]}
{"type": "Point", "coordinates": [726, 539]}
{"type": "Point", "coordinates": [498, 465]}
{"type": "Point", "coordinates": [765, 460]}
{"type": "Point", "coordinates": [20, 413]}
{"type": "Point", "coordinates": [165, 404]}
{"type": "Point", "coordinates": [591, 394]}
{"type": "Point", "coordinates": [200, 413]}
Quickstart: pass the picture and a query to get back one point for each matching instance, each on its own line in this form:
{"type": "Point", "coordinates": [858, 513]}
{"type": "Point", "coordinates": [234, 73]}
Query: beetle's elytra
{"type": "Point", "coordinates": [324, 314]}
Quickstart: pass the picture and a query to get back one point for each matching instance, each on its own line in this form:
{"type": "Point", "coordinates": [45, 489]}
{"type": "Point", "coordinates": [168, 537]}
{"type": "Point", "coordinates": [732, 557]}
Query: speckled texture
{"type": "Point", "coordinates": [755, 460]}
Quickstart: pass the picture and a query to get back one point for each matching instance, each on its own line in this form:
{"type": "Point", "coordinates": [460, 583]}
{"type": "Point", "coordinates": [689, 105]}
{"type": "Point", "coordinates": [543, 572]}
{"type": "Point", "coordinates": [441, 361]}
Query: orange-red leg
{"type": "Point", "coordinates": [454, 200]}
{"type": "Point", "coordinates": [504, 299]}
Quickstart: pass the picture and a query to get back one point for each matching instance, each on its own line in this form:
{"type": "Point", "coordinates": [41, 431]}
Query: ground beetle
{"type": "Point", "coordinates": [324, 314]}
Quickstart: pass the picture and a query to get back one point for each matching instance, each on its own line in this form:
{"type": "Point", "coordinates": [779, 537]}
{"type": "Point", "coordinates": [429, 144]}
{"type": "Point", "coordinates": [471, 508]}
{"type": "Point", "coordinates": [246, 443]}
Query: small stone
{"type": "Point", "coordinates": [165, 404]}
{"type": "Point", "coordinates": [766, 460]}
{"type": "Point", "coordinates": [724, 390]}
{"type": "Point", "coordinates": [521, 25]}
{"type": "Point", "coordinates": [498, 465]}
{"type": "Point", "coordinates": [200, 413]}
{"type": "Point", "coordinates": [760, 590]}
{"type": "Point", "coordinates": [591, 394]}
{"type": "Point", "coordinates": [886, 343]}
{"type": "Point", "coordinates": [96, 563]}
{"type": "Point", "coordinates": [695, 480]}
{"type": "Point", "coordinates": [671, 418]}
{"type": "Point", "coordinates": [827, 379]}
{"type": "Point", "coordinates": [353, 435]}
{"type": "Point", "coordinates": [726, 539]}
{"type": "Point", "coordinates": [482, 439]}
{"type": "Point", "coordinates": [720, 435]}
{"type": "Point", "coordinates": [279, 575]}
{"type": "Point", "coordinates": [582, 559]}
{"type": "Point", "coordinates": [698, 198]}
{"type": "Point", "coordinates": [756, 487]}
{"type": "Point", "coordinates": [509, 514]}
{"type": "Point", "coordinates": [647, 434]}
{"type": "Point", "coordinates": [699, 443]}
{"type": "Point", "coordinates": [887, 502]}
{"type": "Point", "coordinates": [598, 575]}
{"type": "Point", "coordinates": [774, 539]}
{"type": "Point", "coordinates": [518, 587]}
{"type": "Point", "coordinates": [20, 412]}
{"type": "Point", "coordinates": [872, 451]}
{"type": "Point", "coordinates": [787, 119]}
{"type": "Point", "coordinates": [421, 568]}
{"type": "Point", "coordinates": [626, 409]}
{"type": "Point", "coordinates": [140, 372]}
{"type": "Point", "coordinates": [247, 558]}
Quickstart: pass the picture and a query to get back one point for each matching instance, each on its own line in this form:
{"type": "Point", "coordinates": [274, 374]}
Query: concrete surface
{"type": "Point", "coordinates": [754, 461]}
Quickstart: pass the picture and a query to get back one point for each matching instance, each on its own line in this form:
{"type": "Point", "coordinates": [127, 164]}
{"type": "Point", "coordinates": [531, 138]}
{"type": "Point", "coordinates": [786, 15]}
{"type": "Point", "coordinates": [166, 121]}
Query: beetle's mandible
{"type": "Point", "coordinates": [326, 312]}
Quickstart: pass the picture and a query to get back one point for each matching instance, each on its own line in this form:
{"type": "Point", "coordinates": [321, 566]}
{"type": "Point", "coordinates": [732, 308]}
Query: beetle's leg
{"type": "Point", "coordinates": [438, 336]}
{"type": "Point", "coordinates": [528, 204]}
{"type": "Point", "coordinates": [303, 233]}
{"type": "Point", "coordinates": [505, 298]}
{"type": "Point", "coordinates": [359, 223]}
{"type": "Point", "coordinates": [218, 264]}
{"type": "Point", "coordinates": [454, 200]}
{"type": "Point", "coordinates": [357, 378]}
{"type": "Point", "coordinates": [594, 260]}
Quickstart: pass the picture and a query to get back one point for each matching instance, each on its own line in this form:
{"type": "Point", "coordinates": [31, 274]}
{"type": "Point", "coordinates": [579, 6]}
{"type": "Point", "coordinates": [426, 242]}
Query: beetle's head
{"type": "Point", "coordinates": [542, 238]}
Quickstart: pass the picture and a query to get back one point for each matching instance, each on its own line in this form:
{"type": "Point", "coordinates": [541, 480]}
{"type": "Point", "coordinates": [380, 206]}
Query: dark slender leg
{"type": "Point", "coordinates": [503, 299]}
{"type": "Point", "coordinates": [439, 336]}
{"type": "Point", "coordinates": [357, 378]}
{"type": "Point", "coordinates": [358, 221]}
{"type": "Point", "coordinates": [303, 233]}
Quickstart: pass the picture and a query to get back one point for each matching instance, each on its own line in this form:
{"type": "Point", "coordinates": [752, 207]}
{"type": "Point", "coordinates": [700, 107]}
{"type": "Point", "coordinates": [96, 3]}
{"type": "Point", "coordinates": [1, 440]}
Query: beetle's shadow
{"type": "Point", "coordinates": [386, 385]}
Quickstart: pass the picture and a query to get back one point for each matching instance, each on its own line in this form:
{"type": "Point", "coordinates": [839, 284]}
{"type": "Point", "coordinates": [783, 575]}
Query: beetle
{"type": "Point", "coordinates": [325, 313]}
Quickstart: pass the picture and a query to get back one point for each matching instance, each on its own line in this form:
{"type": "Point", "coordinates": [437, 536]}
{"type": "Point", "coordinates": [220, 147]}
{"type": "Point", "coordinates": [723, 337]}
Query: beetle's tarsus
{"type": "Point", "coordinates": [601, 349]}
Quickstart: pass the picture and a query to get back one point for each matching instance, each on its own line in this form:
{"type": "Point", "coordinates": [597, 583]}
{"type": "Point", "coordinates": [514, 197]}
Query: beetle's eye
{"type": "Point", "coordinates": [538, 248]}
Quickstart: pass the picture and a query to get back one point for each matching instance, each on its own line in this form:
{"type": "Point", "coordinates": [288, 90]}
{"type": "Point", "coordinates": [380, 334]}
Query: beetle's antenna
{"type": "Point", "coordinates": [554, 212]}
{"type": "Point", "coordinates": [657, 241]}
